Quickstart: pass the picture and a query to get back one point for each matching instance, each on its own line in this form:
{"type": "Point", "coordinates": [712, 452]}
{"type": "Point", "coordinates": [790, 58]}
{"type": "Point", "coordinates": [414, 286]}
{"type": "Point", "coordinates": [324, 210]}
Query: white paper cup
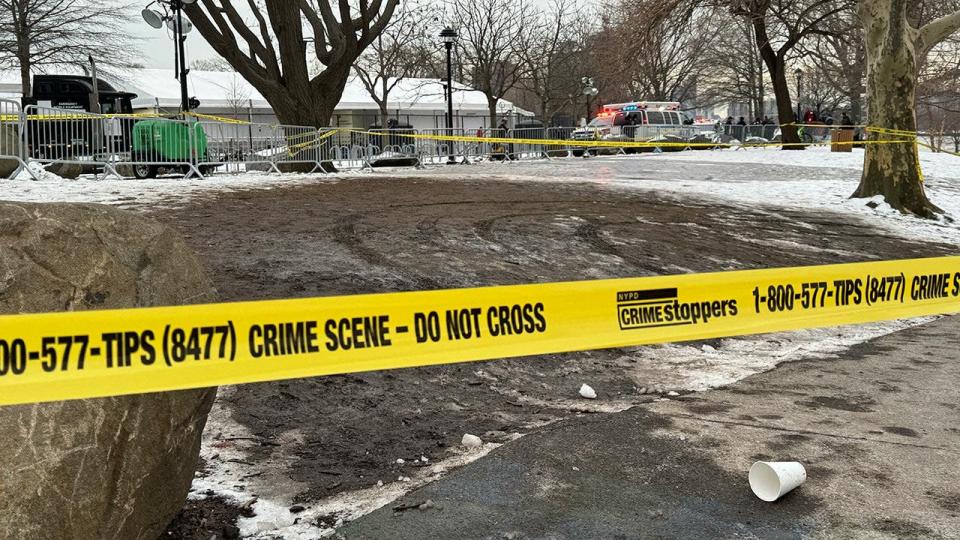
{"type": "Point", "coordinates": [771, 480]}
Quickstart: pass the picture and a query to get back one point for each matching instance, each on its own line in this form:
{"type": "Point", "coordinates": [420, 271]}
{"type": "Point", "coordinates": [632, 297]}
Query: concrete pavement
{"type": "Point", "coordinates": [879, 432]}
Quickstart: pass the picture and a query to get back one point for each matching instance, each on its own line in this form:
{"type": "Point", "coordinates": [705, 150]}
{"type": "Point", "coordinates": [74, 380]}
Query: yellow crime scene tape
{"type": "Point", "coordinates": [616, 144]}
{"type": "Point", "coordinates": [61, 356]}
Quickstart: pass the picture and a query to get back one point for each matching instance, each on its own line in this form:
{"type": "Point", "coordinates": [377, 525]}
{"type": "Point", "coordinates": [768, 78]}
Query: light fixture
{"type": "Point", "coordinates": [175, 21]}
{"type": "Point", "coordinates": [448, 35]}
{"type": "Point", "coordinates": [152, 18]}
{"type": "Point", "coordinates": [187, 26]}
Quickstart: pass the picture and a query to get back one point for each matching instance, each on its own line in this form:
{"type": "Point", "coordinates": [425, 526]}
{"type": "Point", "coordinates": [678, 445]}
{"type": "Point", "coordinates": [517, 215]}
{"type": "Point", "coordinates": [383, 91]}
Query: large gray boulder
{"type": "Point", "coordinates": [100, 468]}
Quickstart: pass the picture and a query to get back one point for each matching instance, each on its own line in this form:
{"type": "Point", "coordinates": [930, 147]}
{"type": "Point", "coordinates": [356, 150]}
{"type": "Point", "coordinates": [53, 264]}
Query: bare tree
{"type": "Point", "coordinates": [666, 46]}
{"type": "Point", "coordinates": [822, 94]}
{"type": "Point", "coordinates": [211, 64]}
{"type": "Point", "coordinates": [237, 95]}
{"type": "Point", "coordinates": [735, 69]}
{"type": "Point", "coordinates": [493, 33]}
{"type": "Point", "coordinates": [397, 53]}
{"type": "Point", "coordinates": [895, 50]}
{"type": "Point", "coordinates": [839, 59]}
{"type": "Point", "coordinates": [554, 56]}
{"type": "Point", "coordinates": [938, 82]}
{"type": "Point", "coordinates": [273, 54]}
{"type": "Point", "coordinates": [44, 34]}
{"type": "Point", "coordinates": [779, 26]}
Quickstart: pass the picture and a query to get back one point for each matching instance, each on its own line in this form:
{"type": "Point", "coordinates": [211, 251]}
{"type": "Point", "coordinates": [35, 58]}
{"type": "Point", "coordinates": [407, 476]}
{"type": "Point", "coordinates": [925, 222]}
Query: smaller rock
{"type": "Point", "coordinates": [708, 349]}
{"type": "Point", "coordinates": [587, 392]}
{"type": "Point", "coordinates": [379, 483]}
{"type": "Point", "coordinates": [400, 461]}
{"type": "Point", "coordinates": [424, 459]}
{"type": "Point", "coordinates": [643, 390]}
{"type": "Point", "coordinates": [672, 393]}
{"type": "Point", "coordinates": [471, 441]}
{"type": "Point", "coordinates": [231, 532]}
{"type": "Point", "coordinates": [266, 526]}
{"type": "Point", "coordinates": [296, 509]}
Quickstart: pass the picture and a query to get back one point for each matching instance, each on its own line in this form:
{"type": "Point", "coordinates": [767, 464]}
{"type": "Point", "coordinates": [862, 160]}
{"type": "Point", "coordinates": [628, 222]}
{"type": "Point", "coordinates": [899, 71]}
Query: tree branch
{"type": "Point", "coordinates": [936, 31]}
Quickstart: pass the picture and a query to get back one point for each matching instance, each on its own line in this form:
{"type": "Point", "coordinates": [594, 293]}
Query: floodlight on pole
{"type": "Point", "coordinates": [152, 18]}
{"type": "Point", "coordinates": [172, 16]}
{"type": "Point", "coordinates": [590, 91]}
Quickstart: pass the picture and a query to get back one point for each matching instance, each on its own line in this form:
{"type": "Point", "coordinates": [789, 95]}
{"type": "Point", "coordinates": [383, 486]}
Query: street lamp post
{"type": "Point", "coordinates": [173, 16]}
{"type": "Point", "coordinates": [449, 37]}
{"type": "Point", "coordinates": [799, 74]}
{"type": "Point", "coordinates": [590, 91]}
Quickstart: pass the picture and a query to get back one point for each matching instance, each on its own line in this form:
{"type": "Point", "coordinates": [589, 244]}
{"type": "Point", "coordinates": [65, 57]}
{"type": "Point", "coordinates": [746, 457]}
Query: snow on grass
{"type": "Point", "coordinates": [700, 368]}
{"type": "Point", "coordinates": [167, 191]}
{"type": "Point", "coordinates": [815, 180]}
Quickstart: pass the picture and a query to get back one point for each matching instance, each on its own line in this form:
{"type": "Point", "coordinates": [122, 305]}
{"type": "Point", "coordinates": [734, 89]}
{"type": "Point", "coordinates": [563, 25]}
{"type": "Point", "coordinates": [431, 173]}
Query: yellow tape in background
{"type": "Point", "coordinates": [615, 144]}
{"type": "Point", "coordinates": [59, 356]}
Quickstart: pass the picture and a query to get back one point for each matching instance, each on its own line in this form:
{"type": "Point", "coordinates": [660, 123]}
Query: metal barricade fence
{"type": "Point", "coordinates": [132, 145]}
{"type": "Point", "coordinates": [13, 158]}
{"type": "Point", "coordinates": [530, 149]}
{"type": "Point", "coordinates": [65, 137]}
{"type": "Point", "coordinates": [235, 147]}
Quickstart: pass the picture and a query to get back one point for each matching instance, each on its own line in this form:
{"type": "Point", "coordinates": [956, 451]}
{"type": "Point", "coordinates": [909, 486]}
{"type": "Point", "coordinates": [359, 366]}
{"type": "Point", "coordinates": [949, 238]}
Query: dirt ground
{"type": "Point", "coordinates": [380, 234]}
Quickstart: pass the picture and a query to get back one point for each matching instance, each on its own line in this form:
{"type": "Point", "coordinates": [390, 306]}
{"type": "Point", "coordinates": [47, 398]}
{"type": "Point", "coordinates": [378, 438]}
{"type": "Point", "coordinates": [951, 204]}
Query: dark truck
{"type": "Point", "coordinates": [50, 137]}
{"type": "Point", "coordinates": [55, 135]}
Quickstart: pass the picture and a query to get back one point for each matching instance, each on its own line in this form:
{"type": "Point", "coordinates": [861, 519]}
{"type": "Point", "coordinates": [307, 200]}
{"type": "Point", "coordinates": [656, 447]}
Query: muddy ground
{"type": "Point", "coordinates": [379, 234]}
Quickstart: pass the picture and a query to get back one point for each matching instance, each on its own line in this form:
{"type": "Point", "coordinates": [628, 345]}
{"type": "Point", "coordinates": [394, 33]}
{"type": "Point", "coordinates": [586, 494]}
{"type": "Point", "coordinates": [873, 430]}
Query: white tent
{"type": "Point", "coordinates": [229, 93]}
{"type": "Point", "coordinates": [419, 102]}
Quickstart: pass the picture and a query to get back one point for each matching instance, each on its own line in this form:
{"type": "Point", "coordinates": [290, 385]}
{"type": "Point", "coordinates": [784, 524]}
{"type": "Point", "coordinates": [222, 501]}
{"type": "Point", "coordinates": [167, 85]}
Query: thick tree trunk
{"type": "Point", "coordinates": [892, 170]}
{"type": "Point", "coordinates": [781, 90]}
{"type": "Point", "coordinates": [776, 65]}
{"type": "Point", "coordinates": [384, 117]}
{"type": "Point", "coordinates": [856, 106]}
{"type": "Point", "coordinates": [315, 112]}
{"type": "Point", "coordinates": [760, 105]}
{"type": "Point", "coordinates": [272, 54]}
{"type": "Point", "coordinates": [492, 109]}
{"type": "Point", "coordinates": [309, 104]}
{"type": "Point", "coordinates": [25, 78]}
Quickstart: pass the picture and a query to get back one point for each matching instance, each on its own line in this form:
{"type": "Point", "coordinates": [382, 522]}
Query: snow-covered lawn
{"type": "Point", "coordinates": [814, 179]}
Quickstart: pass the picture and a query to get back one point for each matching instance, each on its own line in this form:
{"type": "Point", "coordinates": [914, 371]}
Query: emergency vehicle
{"type": "Point", "coordinates": [635, 121]}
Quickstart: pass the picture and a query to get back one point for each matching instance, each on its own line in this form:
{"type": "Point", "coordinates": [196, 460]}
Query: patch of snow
{"type": "Point", "coordinates": [231, 476]}
{"type": "Point", "coordinates": [693, 368]}
{"type": "Point", "coordinates": [157, 192]}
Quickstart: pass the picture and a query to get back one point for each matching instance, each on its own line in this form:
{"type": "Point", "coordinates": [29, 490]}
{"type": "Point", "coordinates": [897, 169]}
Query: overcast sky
{"type": "Point", "coordinates": [157, 45]}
